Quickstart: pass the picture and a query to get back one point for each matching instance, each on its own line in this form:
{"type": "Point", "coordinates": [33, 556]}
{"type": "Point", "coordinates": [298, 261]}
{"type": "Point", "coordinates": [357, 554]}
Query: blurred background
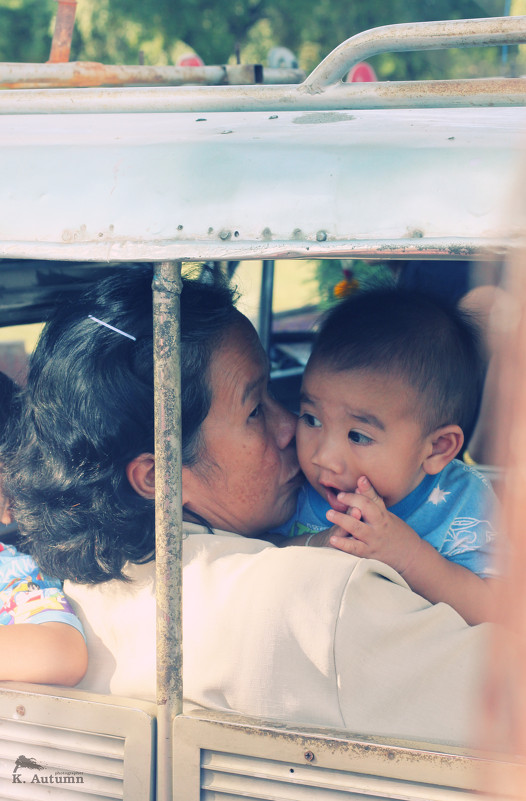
{"type": "Point", "coordinates": [161, 31]}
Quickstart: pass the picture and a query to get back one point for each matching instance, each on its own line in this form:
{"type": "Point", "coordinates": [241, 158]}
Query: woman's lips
{"type": "Point", "coordinates": [331, 493]}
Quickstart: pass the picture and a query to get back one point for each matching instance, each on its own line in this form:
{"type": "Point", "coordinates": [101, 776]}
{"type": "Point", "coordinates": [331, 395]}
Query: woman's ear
{"type": "Point", "coordinates": [140, 472]}
{"type": "Point", "coordinates": [445, 442]}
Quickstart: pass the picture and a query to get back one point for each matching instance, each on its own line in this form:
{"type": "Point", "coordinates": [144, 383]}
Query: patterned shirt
{"type": "Point", "coordinates": [29, 596]}
{"type": "Point", "coordinates": [454, 511]}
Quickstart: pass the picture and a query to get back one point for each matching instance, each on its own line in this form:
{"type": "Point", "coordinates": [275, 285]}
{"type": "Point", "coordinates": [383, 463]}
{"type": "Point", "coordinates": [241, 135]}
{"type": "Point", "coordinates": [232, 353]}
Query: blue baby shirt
{"type": "Point", "coordinates": [453, 511]}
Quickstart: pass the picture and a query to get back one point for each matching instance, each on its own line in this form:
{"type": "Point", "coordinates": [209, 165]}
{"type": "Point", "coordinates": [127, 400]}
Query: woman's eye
{"type": "Point", "coordinates": [310, 420]}
{"type": "Point", "coordinates": [256, 411]}
{"type": "Point", "coordinates": [359, 439]}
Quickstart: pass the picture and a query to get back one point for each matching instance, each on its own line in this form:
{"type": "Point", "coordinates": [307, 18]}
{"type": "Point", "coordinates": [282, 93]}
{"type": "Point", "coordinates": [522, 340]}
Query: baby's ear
{"type": "Point", "coordinates": [445, 442]}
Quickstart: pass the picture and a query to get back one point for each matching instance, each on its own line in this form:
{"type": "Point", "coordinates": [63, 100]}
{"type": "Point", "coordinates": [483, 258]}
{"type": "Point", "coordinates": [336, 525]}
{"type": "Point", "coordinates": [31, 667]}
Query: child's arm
{"type": "Point", "coordinates": [381, 535]}
{"type": "Point", "coordinates": [42, 653]}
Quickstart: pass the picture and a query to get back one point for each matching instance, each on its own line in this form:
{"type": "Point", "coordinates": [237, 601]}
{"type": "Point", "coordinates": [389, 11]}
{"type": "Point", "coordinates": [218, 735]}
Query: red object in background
{"type": "Point", "coordinates": [190, 60]}
{"type": "Point", "coordinates": [361, 73]}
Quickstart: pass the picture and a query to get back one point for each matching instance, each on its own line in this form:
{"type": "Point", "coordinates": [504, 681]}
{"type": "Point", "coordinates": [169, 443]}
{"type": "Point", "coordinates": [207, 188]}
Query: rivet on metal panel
{"type": "Point", "coordinates": [179, 227]}
{"type": "Point", "coordinates": [21, 710]}
{"type": "Point", "coordinates": [225, 235]}
{"type": "Point", "coordinates": [236, 233]}
{"type": "Point", "coordinates": [321, 236]}
{"type": "Point", "coordinates": [273, 117]}
{"type": "Point", "coordinates": [309, 756]}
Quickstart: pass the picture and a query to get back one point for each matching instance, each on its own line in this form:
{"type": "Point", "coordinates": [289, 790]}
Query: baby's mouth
{"type": "Point", "coordinates": [332, 492]}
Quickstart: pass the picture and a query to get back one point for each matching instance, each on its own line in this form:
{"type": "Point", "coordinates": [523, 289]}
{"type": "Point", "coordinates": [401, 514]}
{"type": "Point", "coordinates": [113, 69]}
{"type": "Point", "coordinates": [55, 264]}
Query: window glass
{"type": "Point", "coordinates": [17, 342]}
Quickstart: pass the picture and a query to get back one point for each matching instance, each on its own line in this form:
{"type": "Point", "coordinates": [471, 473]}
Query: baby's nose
{"type": "Point", "coordinates": [328, 457]}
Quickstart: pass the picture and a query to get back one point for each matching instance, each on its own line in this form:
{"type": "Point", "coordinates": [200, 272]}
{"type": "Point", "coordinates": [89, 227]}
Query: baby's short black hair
{"type": "Point", "coordinates": [431, 344]}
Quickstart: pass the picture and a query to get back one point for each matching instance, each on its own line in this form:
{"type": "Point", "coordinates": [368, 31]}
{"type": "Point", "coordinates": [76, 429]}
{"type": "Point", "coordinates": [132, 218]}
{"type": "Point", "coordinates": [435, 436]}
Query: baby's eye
{"type": "Point", "coordinates": [310, 420]}
{"type": "Point", "coordinates": [359, 438]}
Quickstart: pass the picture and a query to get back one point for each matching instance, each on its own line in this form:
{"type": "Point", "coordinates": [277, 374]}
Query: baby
{"type": "Point", "coordinates": [54, 651]}
{"type": "Point", "coordinates": [390, 390]}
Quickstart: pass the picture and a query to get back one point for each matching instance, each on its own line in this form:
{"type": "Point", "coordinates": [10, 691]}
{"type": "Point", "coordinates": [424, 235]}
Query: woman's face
{"type": "Point", "coordinates": [249, 477]}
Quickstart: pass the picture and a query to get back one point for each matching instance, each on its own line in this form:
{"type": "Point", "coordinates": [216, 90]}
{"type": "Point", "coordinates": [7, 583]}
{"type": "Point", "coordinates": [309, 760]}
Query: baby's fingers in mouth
{"type": "Point", "coordinates": [332, 498]}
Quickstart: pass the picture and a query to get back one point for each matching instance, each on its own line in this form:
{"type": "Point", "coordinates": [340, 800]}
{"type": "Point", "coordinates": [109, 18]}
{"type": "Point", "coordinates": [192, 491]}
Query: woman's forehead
{"type": "Point", "coordinates": [239, 361]}
{"type": "Point", "coordinates": [242, 337]}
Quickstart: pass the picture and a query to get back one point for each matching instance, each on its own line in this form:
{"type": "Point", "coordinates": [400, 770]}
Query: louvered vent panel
{"type": "Point", "coordinates": [72, 764]}
{"type": "Point", "coordinates": [68, 744]}
{"type": "Point", "coordinates": [230, 777]}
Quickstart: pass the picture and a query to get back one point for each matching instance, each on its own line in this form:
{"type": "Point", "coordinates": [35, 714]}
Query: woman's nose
{"type": "Point", "coordinates": [284, 425]}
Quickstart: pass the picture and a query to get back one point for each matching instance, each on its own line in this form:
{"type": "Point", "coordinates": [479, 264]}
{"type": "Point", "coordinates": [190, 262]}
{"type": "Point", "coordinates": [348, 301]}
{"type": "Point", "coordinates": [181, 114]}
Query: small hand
{"type": "Point", "coordinates": [375, 533]}
{"type": "Point", "coordinates": [321, 538]}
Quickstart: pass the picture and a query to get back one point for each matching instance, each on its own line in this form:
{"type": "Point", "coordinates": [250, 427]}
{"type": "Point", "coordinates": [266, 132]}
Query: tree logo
{"type": "Point", "coordinates": [26, 762]}
{"type": "Point", "coordinates": [25, 771]}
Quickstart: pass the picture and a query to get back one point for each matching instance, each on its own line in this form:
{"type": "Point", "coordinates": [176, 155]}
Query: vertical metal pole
{"type": "Point", "coordinates": [507, 9]}
{"type": "Point", "coordinates": [168, 511]}
{"type": "Point", "coordinates": [265, 307]}
{"type": "Point", "coordinates": [64, 23]}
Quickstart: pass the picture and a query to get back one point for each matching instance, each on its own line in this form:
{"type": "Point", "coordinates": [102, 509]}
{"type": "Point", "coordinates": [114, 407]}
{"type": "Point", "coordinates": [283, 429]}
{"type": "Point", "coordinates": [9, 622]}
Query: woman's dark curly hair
{"type": "Point", "coordinates": [8, 403]}
{"type": "Point", "coordinates": [87, 411]}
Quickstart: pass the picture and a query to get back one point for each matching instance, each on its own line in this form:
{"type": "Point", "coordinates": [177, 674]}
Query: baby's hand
{"type": "Point", "coordinates": [320, 539]}
{"type": "Point", "coordinates": [374, 532]}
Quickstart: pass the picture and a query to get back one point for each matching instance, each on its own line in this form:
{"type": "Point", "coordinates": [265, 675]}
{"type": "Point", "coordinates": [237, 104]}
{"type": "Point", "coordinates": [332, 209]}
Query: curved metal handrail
{"type": "Point", "coordinates": [404, 37]}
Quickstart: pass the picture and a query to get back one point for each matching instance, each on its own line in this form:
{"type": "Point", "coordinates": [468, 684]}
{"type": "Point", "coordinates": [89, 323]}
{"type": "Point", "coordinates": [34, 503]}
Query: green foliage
{"type": "Point", "coordinates": [330, 272]}
{"type": "Point", "coordinates": [116, 31]}
{"type": "Point", "coordinates": [26, 29]}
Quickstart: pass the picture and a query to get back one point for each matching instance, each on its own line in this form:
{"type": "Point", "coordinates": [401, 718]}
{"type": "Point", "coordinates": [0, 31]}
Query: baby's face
{"type": "Point", "coordinates": [360, 423]}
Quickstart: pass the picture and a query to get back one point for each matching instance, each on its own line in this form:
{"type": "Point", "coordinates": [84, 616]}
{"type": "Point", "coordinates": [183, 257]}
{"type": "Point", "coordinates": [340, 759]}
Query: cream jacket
{"type": "Point", "coordinates": [303, 635]}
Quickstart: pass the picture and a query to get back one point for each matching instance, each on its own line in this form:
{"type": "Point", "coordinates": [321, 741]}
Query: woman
{"type": "Point", "coordinates": [305, 635]}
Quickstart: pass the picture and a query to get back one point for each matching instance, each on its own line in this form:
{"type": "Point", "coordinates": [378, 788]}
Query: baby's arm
{"type": "Point", "coordinates": [381, 535]}
{"type": "Point", "coordinates": [43, 653]}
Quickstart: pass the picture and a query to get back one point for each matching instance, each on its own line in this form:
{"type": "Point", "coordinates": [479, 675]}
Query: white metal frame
{"type": "Point", "coordinates": [215, 755]}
